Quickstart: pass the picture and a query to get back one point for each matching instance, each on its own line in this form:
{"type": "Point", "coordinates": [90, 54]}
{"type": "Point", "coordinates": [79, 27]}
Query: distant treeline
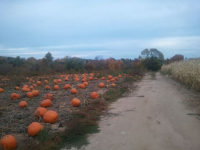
{"type": "Point", "coordinates": [33, 66]}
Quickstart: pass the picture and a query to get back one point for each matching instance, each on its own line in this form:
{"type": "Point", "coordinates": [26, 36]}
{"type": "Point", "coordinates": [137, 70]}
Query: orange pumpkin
{"type": "Point", "coordinates": [119, 76]}
{"type": "Point", "coordinates": [84, 80]}
{"type": "Point", "coordinates": [48, 96]}
{"type": "Point", "coordinates": [39, 83]}
{"type": "Point", "coordinates": [108, 81]}
{"type": "Point", "coordinates": [25, 86]}
{"type": "Point", "coordinates": [16, 88]}
{"type": "Point", "coordinates": [59, 81]}
{"type": "Point", "coordinates": [40, 111]}
{"type": "Point", "coordinates": [34, 85]}
{"type": "Point", "coordinates": [35, 92]}
{"type": "Point", "coordinates": [109, 77]}
{"type": "Point", "coordinates": [55, 81]}
{"type": "Point", "coordinates": [23, 104]}
{"type": "Point", "coordinates": [116, 78]}
{"type": "Point", "coordinates": [85, 83]}
{"type": "Point", "coordinates": [8, 142]}
{"type": "Point", "coordinates": [81, 86]}
{"type": "Point", "coordinates": [66, 78]}
{"type": "Point", "coordinates": [31, 87]}
{"type": "Point", "coordinates": [113, 84]}
{"type": "Point", "coordinates": [50, 116]}
{"type": "Point", "coordinates": [47, 87]}
{"type": "Point", "coordinates": [112, 80]}
{"type": "Point", "coordinates": [95, 78]}
{"type": "Point", "coordinates": [76, 102]}
{"type": "Point", "coordinates": [14, 96]}
{"type": "Point", "coordinates": [46, 103]}
{"type": "Point", "coordinates": [76, 79]}
{"type": "Point", "coordinates": [29, 94]}
{"type": "Point", "coordinates": [101, 85]}
{"type": "Point", "coordinates": [94, 95]}
{"type": "Point", "coordinates": [56, 87]}
{"type": "Point", "coordinates": [90, 78]}
{"type": "Point", "coordinates": [46, 81]}
{"type": "Point", "coordinates": [103, 78]}
{"type": "Point", "coordinates": [67, 86]}
{"type": "Point", "coordinates": [25, 89]}
{"type": "Point", "coordinates": [74, 91]}
{"type": "Point", "coordinates": [34, 128]}
{"type": "Point", "coordinates": [1, 90]}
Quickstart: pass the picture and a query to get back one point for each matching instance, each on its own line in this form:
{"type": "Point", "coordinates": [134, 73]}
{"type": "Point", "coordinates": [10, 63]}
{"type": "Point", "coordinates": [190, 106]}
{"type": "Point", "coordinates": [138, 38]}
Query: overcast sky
{"type": "Point", "coordinates": [87, 28]}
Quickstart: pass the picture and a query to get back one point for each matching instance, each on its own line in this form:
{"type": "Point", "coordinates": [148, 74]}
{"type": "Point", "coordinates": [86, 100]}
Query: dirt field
{"type": "Point", "coordinates": [160, 114]}
{"type": "Point", "coordinates": [15, 120]}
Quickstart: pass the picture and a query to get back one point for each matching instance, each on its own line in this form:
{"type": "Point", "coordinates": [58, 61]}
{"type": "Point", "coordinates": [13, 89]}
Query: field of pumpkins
{"type": "Point", "coordinates": [46, 101]}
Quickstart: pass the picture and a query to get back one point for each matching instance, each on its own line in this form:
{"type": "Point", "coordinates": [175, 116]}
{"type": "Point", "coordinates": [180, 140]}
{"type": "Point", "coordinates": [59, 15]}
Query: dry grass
{"type": "Point", "coordinates": [187, 72]}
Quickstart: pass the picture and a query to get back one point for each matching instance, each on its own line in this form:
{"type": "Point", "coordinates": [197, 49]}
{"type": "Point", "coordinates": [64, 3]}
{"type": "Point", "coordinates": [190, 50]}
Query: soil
{"type": "Point", "coordinates": [15, 120]}
{"type": "Point", "coordinates": [160, 114]}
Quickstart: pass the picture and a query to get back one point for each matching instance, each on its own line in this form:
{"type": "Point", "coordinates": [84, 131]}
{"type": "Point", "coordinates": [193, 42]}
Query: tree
{"type": "Point", "coordinates": [98, 57]}
{"type": "Point", "coordinates": [49, 57]}
{"type": "Point", "coordinates": [152, 59]}
{"type": "Point", "coordinates": [153, 52]}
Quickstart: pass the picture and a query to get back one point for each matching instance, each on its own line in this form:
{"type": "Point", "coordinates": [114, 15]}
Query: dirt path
{"type": "Point", "coordinates": [153, 117]}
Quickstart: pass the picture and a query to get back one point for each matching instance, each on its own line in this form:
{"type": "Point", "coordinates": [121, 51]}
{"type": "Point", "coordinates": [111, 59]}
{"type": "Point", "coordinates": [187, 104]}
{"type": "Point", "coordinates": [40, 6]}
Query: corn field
{"type": "Point", "coordinates": [187, 72]}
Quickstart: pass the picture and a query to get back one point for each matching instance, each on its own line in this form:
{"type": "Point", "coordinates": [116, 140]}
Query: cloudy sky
{"type": "Point", "coordinates": [87, 28]}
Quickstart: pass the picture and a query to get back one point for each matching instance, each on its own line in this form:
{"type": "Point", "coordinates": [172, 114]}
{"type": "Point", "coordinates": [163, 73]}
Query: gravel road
{"type": "Point", "coordinates": [152, 117]}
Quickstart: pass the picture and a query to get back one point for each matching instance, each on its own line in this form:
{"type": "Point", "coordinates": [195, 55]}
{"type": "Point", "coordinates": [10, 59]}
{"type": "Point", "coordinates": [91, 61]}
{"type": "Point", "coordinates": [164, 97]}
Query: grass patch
{"type": "Point", "coordinates": [153, 75]}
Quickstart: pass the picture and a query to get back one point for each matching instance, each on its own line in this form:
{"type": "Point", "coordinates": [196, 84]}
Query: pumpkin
{"type": "Point", "coordinates": [31, 87]}
{"type": "Point", "coordinates": [47, 87]}
{"type": "Point", "coordinates": [8, 142]}
{"type": "Point", "coordinates": [85, 83]}
{"type": "Point", "coordinates": [108, 81]}
{"type": "Point", "coordinates": [74, 91]}
{"type": "Point", "coordinates": [25, 89]}
{"type": "Point", "coordinates": [23, 104]}
{"type": "Point", "coordinates": [113, 84]}
{"type": "Point", "coordinates": [119, 76]}
{"type": "Point", "coordinates": [76, 102]}
{"type": "Point", "coordinates": [1, 90]}
{"type": "Point", "coordinates": [103, 78]}
{"type": "Point", "coordinates": [39, 83]}
{"type": "Point", "coordinates": [81, 86]}
{"type": "Point", "coordinates": [94, 95]}
{"type": "Point", "coordinates": [14, 96]}
{"type": "Point", "coordinates": [76, 79]}
{"type": "Point", "coordinates": [112, 80]}
{"type": "Point", "coordinates": [34, 128]}
{"type": "Point", "coordinates": [16, 88]}
{"type": "Point", "coordinates": [35, 92]}
{"type": "Point", "coordinates": [34, 85]}
{"type": "Point", "coordinates": [84, 80]}
{"type": "Point", "coordinates": [95, 78]}
{"type": "Point", "coordinates": [109, 77]}
{"type": "Point", "coordinates": [48, 96]}
{"type": "Point", "coordinates": [25, 86]}
{"type": "Point", "coordinates": [59, 80]}
{"type": "Point", "coordinates": [66, 78]}
{"type": "Point", "coordinates": [90, 78]}
{"type": "Point", "coordinates": [116, 78]}
{"type": "Point", "coordinates": [40, 111]}
{"type": "Point", "coordinates": [67, 86]}
{"type": "Point", "coordinates": [50, 116]}
{"type": "Point", "coordinates": [101, 85]}
{"type": "Point", "coordinates": [46, 81]}
{"type": "Point", "coordinates": [29, 94]}
{"type": "Point", "coordinates": [46, 103]}
{"type": "Point", "coordinates": [55, 81]}
{"type": "Point", "coordinates": [56, 87]}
